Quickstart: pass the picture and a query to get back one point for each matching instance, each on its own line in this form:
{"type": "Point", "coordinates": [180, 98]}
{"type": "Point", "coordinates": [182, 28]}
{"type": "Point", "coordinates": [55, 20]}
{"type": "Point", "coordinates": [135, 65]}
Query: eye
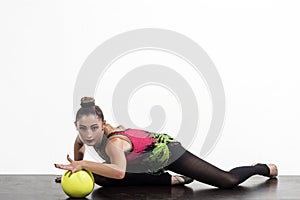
{"type": "Point", "coordinates": [95, 128]}
{"type": "Point", "coordinates": [82, 128]}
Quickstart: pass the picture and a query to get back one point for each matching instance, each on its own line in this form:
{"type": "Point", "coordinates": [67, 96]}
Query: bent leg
{"type": "Point", "coordinates": [190, 165]}
{"type": "Point", "coordinates": [134, 179]}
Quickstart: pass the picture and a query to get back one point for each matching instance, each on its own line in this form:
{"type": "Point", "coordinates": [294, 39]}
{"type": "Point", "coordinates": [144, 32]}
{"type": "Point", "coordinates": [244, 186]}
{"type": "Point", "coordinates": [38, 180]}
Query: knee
{"type": "Point", "coordinates": [229, 182]}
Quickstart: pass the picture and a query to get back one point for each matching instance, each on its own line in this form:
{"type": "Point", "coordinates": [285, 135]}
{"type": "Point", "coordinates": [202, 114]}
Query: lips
{"type": "Point", "coordinates": [89, 141]}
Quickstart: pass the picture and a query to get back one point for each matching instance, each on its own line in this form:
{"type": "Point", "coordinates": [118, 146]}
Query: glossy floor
{"type": "Point", "coordinates": [43, 187]}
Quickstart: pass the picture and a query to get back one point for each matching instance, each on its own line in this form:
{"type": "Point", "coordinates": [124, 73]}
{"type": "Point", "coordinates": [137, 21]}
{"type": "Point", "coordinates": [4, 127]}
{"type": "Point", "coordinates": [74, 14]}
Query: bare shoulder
{"type": "Point", "coordinates": [120, 128]}
{"type": "Point", "coordinates": [118, 141]}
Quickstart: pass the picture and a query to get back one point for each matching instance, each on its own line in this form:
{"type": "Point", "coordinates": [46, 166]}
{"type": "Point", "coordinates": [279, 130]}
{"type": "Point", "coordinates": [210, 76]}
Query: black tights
{"type": "Point", "coordinates": [185, 163]}
{"type": "Point", "coordinates": [192, 166]}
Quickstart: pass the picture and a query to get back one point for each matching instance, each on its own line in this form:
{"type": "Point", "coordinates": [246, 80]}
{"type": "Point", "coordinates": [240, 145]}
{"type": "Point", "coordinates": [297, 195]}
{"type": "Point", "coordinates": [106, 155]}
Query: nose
{"type": "Point", "coordinates": [89, 133]}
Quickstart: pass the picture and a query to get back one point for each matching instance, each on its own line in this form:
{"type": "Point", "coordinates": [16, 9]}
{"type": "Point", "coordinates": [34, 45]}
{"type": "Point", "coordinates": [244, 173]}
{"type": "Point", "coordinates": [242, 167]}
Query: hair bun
{"type": "Point", "coordinates": [87, 102]}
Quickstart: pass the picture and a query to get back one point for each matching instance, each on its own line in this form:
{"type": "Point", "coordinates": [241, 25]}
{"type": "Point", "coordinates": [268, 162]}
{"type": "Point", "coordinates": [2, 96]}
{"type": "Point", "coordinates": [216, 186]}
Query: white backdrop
{"type": "Point", "coordinates": [254, 45]}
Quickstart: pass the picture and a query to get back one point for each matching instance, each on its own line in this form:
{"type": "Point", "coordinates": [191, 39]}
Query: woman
{"type": "Point", "coordinates": [131, 153]}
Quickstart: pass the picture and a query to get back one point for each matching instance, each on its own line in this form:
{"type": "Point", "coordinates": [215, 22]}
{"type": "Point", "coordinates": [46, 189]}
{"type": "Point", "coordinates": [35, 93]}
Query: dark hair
{"type": "Point", "coordinates": [88, 107]}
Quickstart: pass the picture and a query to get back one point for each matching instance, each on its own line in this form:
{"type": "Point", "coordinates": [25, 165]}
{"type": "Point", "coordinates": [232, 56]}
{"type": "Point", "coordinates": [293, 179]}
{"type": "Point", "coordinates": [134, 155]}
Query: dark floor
{"type": "Point", "coordinates": [43, 187]}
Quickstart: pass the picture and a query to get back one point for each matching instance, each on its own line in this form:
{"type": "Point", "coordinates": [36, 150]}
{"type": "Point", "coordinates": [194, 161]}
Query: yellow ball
{"type": "Point", "coordinates": [79, 184]}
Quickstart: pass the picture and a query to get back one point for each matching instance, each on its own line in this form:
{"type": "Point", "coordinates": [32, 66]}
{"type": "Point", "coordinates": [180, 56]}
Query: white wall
{"type": "Point", "coordinates": [254, 45]}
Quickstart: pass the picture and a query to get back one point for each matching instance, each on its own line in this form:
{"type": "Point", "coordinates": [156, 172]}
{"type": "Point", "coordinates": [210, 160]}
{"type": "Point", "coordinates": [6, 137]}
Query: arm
{"type": "Point", "coordinates": [79, 149]}
{"type": "Point", "coordinates": [115, 150]}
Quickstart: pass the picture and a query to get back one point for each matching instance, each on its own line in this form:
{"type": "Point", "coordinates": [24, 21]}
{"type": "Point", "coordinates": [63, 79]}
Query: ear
{"type": "Point", "coordinates": [103, 124]}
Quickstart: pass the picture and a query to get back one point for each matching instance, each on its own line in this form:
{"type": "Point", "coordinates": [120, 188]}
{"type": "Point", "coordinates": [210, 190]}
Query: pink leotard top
{"type": "Point", "coordinates": [149, 151]}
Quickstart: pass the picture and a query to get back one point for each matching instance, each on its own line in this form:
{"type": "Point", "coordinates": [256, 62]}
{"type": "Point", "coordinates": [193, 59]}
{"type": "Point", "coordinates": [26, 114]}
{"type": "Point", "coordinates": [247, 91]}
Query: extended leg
{"type": "Point", "coordinates": [190, 165]}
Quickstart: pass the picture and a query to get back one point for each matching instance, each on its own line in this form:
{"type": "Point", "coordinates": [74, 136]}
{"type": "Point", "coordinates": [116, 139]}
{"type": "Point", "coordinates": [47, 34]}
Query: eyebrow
{"type": "Point", "coordinates": [91, 125]}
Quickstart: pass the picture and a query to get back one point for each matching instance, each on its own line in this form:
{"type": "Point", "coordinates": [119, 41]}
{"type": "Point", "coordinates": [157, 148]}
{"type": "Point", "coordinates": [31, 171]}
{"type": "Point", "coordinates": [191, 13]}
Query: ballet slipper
{"type": "Point", "coordinates": [181, 180]}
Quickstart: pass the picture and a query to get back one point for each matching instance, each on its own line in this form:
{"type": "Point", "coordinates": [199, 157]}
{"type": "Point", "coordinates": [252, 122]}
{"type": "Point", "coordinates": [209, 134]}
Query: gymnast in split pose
{"type": "Point", "coordinates": [140, 157]}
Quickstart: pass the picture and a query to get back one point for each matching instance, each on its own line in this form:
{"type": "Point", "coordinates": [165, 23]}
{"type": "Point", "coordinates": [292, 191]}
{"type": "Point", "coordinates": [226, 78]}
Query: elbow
{"type": "Point", "coordinates": [120, 174]}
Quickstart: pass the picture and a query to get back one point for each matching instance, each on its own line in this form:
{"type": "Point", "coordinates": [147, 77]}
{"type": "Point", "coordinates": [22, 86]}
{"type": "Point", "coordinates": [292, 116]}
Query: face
{"type": "Point", "coordinates": [90, 129]}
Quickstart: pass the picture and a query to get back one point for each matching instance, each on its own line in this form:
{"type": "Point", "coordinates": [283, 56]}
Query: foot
{"type": "Point", "coordinates": [273, 169]}
{"type": "Point", "coordinates": [181, 180]}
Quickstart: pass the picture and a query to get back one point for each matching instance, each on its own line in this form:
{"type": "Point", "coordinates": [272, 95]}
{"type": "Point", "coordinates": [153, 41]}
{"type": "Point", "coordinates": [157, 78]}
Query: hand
{"type": "Point", "coordinates": [74, 166]}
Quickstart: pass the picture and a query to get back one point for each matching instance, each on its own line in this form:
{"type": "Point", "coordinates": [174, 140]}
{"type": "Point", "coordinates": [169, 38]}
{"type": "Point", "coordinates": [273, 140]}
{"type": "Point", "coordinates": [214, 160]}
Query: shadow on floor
{"type": "Point", "coordinates": [265, 190]}
{"type": "Point", "coordinates": [142, 192]}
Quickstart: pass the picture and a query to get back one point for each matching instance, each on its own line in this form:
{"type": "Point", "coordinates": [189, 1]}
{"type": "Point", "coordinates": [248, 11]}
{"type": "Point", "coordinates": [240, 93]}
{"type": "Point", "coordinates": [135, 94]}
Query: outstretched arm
{"type": "Point", "coordinates": [117, 168]}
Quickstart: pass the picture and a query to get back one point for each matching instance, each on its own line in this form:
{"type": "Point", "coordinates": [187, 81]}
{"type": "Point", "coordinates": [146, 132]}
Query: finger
{"type": "Point", "coordinates": [69, 159]}
{"type": "Point", "coordinates": [68, 167]}
{"type": "Point", "coordinates": [65, 167]}
{"type": "Point", "coordinates": [59, 166]}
